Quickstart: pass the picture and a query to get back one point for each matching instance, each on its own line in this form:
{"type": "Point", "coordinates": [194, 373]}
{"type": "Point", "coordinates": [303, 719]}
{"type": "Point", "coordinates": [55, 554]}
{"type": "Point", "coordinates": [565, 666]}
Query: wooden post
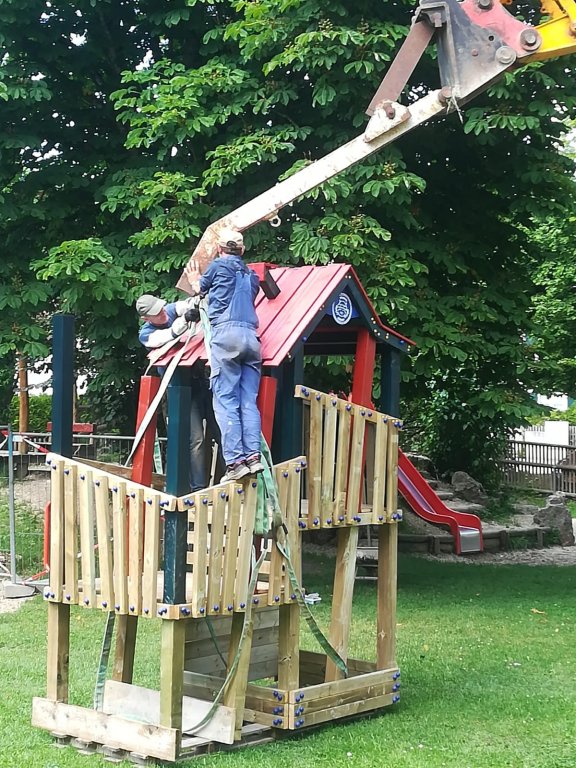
{"type": "Point", "coordinates": [287, 438]}
{"type": "Point", "coordinates": [390, 381]}
{"type": "Point", "coordinates": [62, 383]}
{"type": "Point", "coordinates": [23, 400]}
{"type": "Point", "coordinates": [58, 652]}
{"type": "Point", "coordinates": [289, 619]}
{"type": "Point", "coordinates": [127, 625]}
{"type": "Point", "coordinates": [342, 597]}
{"type": "Point", "coordinates": [172, 672]}
{"type": "Point", "coordinates": [386, 599]}
{"type": "Point", "coordinates": [235, 695]}
{"type": "Point", "coordinates": [177, 484]}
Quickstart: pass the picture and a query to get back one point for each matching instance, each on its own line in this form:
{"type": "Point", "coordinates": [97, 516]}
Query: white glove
{"type": "Point", "coordinates": [179, 326]}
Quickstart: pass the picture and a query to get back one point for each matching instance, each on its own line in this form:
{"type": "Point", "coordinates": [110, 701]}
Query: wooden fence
{"type": "Point", "coordinates": [540, 467]}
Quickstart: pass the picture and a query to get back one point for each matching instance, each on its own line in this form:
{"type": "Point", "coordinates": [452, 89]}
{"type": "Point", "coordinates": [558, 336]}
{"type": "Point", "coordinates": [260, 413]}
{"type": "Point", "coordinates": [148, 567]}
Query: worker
{"type": "Point", "coordinates": [235, 354]}
{"type": "Point", "coordinates": [164, 322]}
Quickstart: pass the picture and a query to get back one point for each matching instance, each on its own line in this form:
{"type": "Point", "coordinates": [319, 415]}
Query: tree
{"type": "Point", "coordinates": [199, 106]}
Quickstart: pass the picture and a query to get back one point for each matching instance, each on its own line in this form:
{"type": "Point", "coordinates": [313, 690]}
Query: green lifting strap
{"type": "Point", "coordinates": [103, 663]}
{"type": "Point", "coordinates": [330, 651]}
{"type": "Point", "coordinates": [256, 565]}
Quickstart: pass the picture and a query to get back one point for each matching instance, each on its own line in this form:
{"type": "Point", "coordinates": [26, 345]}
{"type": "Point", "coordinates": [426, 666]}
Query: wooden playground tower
{"type": "Point", "coordinates": [230, 656]}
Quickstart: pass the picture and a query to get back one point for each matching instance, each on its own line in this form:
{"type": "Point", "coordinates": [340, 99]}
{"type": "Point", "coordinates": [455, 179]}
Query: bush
{"type": "Point", "coordinates": [40, 412]}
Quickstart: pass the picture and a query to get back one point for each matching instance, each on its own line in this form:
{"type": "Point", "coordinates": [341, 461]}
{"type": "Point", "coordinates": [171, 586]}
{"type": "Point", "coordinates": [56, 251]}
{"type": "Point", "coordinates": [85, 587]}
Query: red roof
{"type": "Point", "coordinates": [305, 292]}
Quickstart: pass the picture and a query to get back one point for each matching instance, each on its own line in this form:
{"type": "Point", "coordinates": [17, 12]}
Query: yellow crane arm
{"type": "Point", "coordinates": [558, 33]}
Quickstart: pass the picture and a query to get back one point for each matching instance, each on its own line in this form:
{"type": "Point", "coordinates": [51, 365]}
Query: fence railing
{"type": "Point", "coordinates": [540, 466]}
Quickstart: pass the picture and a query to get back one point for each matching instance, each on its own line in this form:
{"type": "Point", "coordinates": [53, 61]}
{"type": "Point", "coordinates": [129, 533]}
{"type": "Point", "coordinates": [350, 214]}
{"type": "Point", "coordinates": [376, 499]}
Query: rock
{"type": "Point", "coordinates": [555, 515]}
{"type": "Point", "coordinates": [422, 463]}
{"type": "Point", "coordinates": [525, 509]}
{"type": "Point", "coordinates": [469, 489]}
{"type": "Point", "coordinates": [458, 505]}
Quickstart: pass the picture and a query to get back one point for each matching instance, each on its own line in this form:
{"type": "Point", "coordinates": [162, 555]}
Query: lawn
{"type": "Point", "coordinates": [488, 676]}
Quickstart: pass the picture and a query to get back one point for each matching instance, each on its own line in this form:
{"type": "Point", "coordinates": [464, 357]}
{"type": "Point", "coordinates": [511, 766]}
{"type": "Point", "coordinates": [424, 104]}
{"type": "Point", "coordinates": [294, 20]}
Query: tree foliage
{"type": "Point", "coordinates": [129, 127]}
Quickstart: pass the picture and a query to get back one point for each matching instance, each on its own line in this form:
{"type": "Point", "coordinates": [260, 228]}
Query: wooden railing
{"type": "Point", "coordinates": [352, 475]}
{"type": "Point", "coordinates": [106, 542]}
{"type": "Point", "coordinates": [540, 466]}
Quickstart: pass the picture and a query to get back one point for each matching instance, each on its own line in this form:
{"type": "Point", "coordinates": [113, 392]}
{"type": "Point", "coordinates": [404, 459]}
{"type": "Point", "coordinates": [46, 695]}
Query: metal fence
{"type": "Point", "coordinates": [25, 491]}
{"type": "Point", "coordinates": [540, 466]}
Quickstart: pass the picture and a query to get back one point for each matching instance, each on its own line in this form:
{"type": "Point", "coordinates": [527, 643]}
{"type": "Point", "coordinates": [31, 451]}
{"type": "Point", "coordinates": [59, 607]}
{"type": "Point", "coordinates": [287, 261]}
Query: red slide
{"type": "Point", "coordinates": [466, 528]}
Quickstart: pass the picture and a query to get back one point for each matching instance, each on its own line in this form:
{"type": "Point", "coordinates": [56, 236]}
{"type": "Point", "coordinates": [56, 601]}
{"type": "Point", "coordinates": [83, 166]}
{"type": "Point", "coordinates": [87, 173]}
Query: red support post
{"type": "Point", "coordinates": [144, 455]}
{"type": "Point", "coordinates": [364, 368]}
{"type": "Point", "coordinates": [266, 405]}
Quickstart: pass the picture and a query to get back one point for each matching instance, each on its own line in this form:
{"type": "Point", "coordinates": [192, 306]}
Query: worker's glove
{"type": "Point", "coordinates": [179, 326]}
{"type": "Point", "coordinates": [192, 315]}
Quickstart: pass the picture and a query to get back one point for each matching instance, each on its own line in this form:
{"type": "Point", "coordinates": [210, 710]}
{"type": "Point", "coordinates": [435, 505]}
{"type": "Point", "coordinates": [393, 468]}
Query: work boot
{"type": "Point", "coordinates": [235, 472]}
{"type": "Point", "coordinates": [254, 464]}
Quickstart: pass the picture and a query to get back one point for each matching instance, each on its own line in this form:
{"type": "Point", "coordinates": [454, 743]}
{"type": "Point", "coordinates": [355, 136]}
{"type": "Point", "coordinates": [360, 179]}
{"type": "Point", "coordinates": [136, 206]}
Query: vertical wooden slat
{"type": "Point", "coordinates": [135, 550]}
{"type": "Point", "coordinates": [392, 471]}
{"type": "Point", "coordinates": [246, 543]}
{"type": "Point", "coordinates": [57, 529]}
{"type": "Point", "coordinates": [104, 543]}
{"type": "Point", "coordinates": [328, 458]}
{"type": "Point", "coordinates": [380, 457]}
{"type": "Point", "coordinates": [200, 555]}
{"type": "Point", "coordinates": [231, 542]}
{"type": "Point", "coordinates": [151, 554]}
{"type": "Point", "coordinates": [315, 457]}
{"type": "Point", "coordinates": [87, 538]}
{"type": "Point", "coordinates": [356, 456]}
{"type": "Point", "coordinates": [276, 577]}
{"type": "Point", "coordinates": [386, 602]}
{"type": "Point", "coordinates": [215, 559]}
{"type": "Point", "coordinates": [342, 460]}
{"type": "Point", "coordinates": [71, 534]}
{"type": "Point", "coordinates": [120, 533]}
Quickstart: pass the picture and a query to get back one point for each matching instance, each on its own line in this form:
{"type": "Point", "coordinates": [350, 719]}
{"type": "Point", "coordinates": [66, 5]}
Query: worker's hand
{"type": "Point", "coordinates": [179, 326]}
{"type": "Point", "coordinates": [192, 315]}
{"type": "Point", "coordinates": [192, 273]}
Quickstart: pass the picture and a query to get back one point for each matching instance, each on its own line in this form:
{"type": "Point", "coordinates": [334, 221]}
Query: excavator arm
{"type": "Point", "coordinates": [477, 42]}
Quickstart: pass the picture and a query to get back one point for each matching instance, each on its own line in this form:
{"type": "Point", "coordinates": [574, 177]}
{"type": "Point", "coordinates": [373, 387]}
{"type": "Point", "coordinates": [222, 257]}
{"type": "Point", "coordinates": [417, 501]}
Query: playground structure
{"type": "Point", "coordinates": [127, 566]}
{"type": "Point", "coordinates": [197, 570]}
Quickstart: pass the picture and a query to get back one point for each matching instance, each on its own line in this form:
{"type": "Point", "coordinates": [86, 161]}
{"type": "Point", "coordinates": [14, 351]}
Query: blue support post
{"type": "Point", "coordinates": [287, 438]}
{"type": "Point", "coordinates": [177, 484]}
{"type": "Point", "coordinates": [390, 378]}
{"type": "Point", "coordinates": [63, 343]}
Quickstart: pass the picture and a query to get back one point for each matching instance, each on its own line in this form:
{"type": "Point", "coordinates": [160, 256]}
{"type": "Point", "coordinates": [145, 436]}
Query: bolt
{"type": "Point", "coordinates": [505, 55]}
{"type": "Point", "coordinates": [230, 607]}
{"type": "Point", "coordinates": [485, 5]}
{"type": "Point", "coordinates": [388, 108]}
{"type": "Point", "coordinates": [132, 608]}
{"type": "Point", "coordinates": [529, 39]}
{"type": "Point", "coordinates": [104, 604]}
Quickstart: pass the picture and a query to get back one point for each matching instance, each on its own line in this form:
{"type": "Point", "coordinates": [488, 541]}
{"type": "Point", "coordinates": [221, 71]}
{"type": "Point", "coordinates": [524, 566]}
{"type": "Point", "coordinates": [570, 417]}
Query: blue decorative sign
{"type": "Point", "coordinates": [342, 309]}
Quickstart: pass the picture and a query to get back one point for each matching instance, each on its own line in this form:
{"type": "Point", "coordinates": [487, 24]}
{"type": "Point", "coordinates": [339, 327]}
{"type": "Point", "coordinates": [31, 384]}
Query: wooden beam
{"type": "Point", "coordinates": [343, 592]}
{"type": "Point", "coordinates": [172, 673]}
{"type": "Point", "coordinates": [58, 651]}
{"type": "Point", "coordinates": [386, 598]}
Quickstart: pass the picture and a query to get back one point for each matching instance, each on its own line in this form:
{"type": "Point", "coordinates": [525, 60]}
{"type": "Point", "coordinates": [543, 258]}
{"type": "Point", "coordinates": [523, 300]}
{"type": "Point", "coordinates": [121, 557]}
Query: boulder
{"type": "Point", "coordinates": [469, 489]}
{"type": "Point", "coordinates": [555, 515]}
{"type": "Point", "coordinates": [525, 509]}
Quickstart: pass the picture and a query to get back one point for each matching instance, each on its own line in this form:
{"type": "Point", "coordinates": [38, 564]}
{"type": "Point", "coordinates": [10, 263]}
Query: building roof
{"type": "Point", "coordinates": [305, 301]}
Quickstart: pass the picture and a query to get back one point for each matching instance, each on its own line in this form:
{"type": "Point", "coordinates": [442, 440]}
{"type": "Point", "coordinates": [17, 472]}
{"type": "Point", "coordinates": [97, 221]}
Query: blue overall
{"type": "Point", "coordinates": [236, 361]}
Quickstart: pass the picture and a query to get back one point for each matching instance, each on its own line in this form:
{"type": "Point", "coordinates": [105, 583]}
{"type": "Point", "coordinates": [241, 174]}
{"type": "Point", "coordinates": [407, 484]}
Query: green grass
{"type": "Point", "coordinates": [488, 675]}
{"type": "Point", "coordinates": [29, 533]}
